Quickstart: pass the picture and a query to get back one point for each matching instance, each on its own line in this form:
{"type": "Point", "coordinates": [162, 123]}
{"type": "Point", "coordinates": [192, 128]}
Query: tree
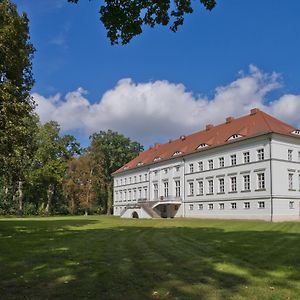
{"type": "Point", "coordinates": [123, 19]}
{"type": "Point", "coordinates": [50, 162]}
{"type": "Point", "coordinates": [79, 184]}
{"type": "Point", "coordinates": [17, 120]}
{"type": "Point", "coordinates": [111, 151]}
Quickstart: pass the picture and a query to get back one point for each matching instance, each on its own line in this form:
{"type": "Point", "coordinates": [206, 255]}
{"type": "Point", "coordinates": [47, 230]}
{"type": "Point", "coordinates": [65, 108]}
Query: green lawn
{"type": "Point", "coordinates": [111, 258]}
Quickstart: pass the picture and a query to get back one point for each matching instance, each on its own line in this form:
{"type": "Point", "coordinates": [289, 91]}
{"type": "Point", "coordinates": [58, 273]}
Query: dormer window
{"type": "Point", "coordinates": [297, 132]}
{"type": "Point", "coordinates": [140, 164]}
{"type": "Point", "coordinates": [235, 136]}
{"type": "Point", "coordinates": [203, 145]}
{"type": "Point", "coordinates": [157, 158]}
{"type": "Point", "coordinates": [177, 153]}
{"type": "Point", "coordinates": [125, 168]}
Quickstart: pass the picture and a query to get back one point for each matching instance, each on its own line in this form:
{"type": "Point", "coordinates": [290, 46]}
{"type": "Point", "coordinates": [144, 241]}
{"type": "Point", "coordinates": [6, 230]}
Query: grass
{"type": "Point", "coordinates": [111, 258]}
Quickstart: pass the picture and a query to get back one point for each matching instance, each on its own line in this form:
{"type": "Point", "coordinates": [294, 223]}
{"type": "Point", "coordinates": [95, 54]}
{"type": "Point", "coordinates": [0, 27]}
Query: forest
{"type": "Point", "coordinates": [44, 171]}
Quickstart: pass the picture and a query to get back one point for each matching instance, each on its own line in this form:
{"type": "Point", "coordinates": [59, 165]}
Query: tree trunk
{"type": "Point", "coordinates": [109, 199]}
{"type": "Point", "coordinates": [20, 196]}
{"type": "Point", "coordinates": [50, 192]}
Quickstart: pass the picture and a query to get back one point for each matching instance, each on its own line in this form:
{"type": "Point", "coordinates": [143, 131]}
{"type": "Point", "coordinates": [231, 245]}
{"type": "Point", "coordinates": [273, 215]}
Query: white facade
{"type": "Point", "coordinates": [254, 178]}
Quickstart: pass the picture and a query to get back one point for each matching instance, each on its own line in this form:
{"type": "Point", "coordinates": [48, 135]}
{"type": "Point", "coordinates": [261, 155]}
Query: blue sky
{"type": "Point", "coordinates": [238, 43]}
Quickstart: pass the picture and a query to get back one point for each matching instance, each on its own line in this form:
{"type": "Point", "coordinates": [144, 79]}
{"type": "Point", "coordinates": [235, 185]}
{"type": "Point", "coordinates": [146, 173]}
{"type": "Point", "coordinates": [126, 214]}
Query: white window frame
{"type": "Point", "coordinates": [191, 188]}
{"type": "Point", "coordinates": [221, 185]}
{"type": "Point", "coordinates": [233, 184]}
{"type": "Point", "coordinates": [260, 154]}
{"type": "Point", "coordinates": [290, 155]}
{"type": "Point", "coordinates": [221, 206]}
{"type": "Point", "coordinates": [221, 162]}
{"type": "Point", "coordinates": [246, 157]}
{"type": "Point", "coordinates": [210, 186]}
{"type": "Point", "coordinates": [261, 204]}
{"type": "Point", "coordinates": [177, 188]}
{"type": "Point", "coordinates": [191, 168]}
{"type": "Point", "coordinates": [233, 205]}
{"type": "Point", "coordinates": [291, 181]}
{"type": "Point", "coordinates": [233, 159]}
{"type": "Point", "coordinates": [247, 205]}
{"type": "Point", "coordinates": [201, 187]}
{"type": "Point", "coordinates": [261, 183]}
{"type": "Point", "coordinates": [200, 166]}
{"type": "Point", "coordinates": [210, 164]}
{"type": "Point", "coordinates": [247, 182]}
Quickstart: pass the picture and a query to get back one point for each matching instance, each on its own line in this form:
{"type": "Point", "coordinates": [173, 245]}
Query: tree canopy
{"type": "Point", "coordinates": [124, 19]}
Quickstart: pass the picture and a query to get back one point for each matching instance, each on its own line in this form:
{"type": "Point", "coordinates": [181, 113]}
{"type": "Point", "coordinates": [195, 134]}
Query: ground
{"type": "Point", "coordinates": [102, 257]}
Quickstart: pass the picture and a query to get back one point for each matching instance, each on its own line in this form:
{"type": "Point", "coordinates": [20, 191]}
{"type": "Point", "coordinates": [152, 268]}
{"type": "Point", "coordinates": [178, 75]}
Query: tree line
{"type": "Point", "coordinates": [43, 171]}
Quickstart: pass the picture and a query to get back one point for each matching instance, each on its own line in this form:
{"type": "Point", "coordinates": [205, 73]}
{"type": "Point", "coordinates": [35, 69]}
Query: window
{"type": "Point", "coordinates": [121, 195]}
{"type": "Point", "coordinates": [129, 195]}
{"type": "Point", "coordinates": [140, 164]}
{"type": "Point", "coordinates": [298, 155]}
{"type": "Point", "coordinates": [210, 206]}
{"type": "Point", "coordinates": [191, 206]}
{"type": "Point", "coordinates": [125, 195]}
{"type": "Point", "coordinates": [155, 188]}
{"type": "Point", "coordinates": [221, 162]}
{"type": "Point", "coordinates": [177, 168]}
{"type": "Point", "coordinates": [233, 159]}
{"type": "Point", "coordinates": [125, 181]}
{"type": "Point", "coordinates": [134, 179]}
{"type": "Point", "coordinates": [200, 166]}
{"type": "Point", "coordinates": [134, 194]}
{"type": "Point", "coordinates": [121, 181]}
{"type": "Point", "coordinates": [261, 181]}
{"type": "Point", "coordinates": [200, 206]}
{"type": "Point", "coordinates": [221, 185]}
{"type": "Point", "coordinates": [202, 146]}
{"type": "Point", "coordinates": [233, 205]}
{"type": "Point", "coordinates": [177, 153]}
{"type": "Point", "coordinates": [191, 191]}
{"type": "Point", "coordinates": [246, 157]}
{"type": "Point", "coordinates": [177, 188]}
{"type": "Point", "coordinates": [291, 205]}
{"type": "Point", "coordinates": [155, 172]}
{"type": "Point", "coordinates": [261, 204]}
{"type": "Point", "coordinates": [145, 177]}
{"type": "Point", "coordinates": [291, 181]}
{"type": "Point", "coordinates": [200, 186]}
{"type": "Point", "coordinates": [246, 182]}
{"type": "Point", "coordinates": [299, 181]}
{"type": "Point", "coordinates": [145, 193]}
{"type": "Point", "coordinates": [191, 168]}
{"type": "Point", "coordinates": [296, 132]}
{"type": "Point", "coordinates": [210, 186]}
{"type": "Point", "coordinates": [166, 188]}
{"type": "Point", "coordinates": [233, 184]}
{"type": "Point", "coordinates": [221, 206]}
{"type": "Point", "coordinates": [235, 136]}
{"type": "Point", "coordinates": [156, 159]}
{"type": "Point", "coordinates": [210, 164]}
{"type": "Point", "coordinates": [247, 205]}
{"type": "Point", "coordinates": [140, 193]}
{"type": "Point", "coordinates": [130, 179]}
{"type": "Point", "coordinates": [260, 154]}
{"type": "Point", "coordinates": [140, 178]}
{"type": "Point", "coordinates": [290, 155]}
{"type": "Point", "coordinates": [166, 171]}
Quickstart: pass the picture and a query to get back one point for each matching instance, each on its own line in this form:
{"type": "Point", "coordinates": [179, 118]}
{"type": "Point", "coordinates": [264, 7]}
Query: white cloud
{"type": "Point", "coordinates": [160, 110]}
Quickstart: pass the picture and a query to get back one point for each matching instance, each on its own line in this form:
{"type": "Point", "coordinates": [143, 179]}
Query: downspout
{"type": "Point", "coordinates": [183, 192]}
{"type": "Point", "coordinates": [271, 179]}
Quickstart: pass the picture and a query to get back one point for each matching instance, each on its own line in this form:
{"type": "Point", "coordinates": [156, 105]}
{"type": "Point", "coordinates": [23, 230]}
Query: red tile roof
{"type": "Point", "coordinates": [255, 124]}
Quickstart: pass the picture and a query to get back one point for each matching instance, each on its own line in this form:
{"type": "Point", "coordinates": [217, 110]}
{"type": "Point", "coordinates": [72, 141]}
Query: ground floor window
{"type": "Point", "coordinates": [210, 206]}
{"type": "Point", "coordinates": [261, 204]}
{"type": "Point", "coordinates": [191, 206]}
{"type": "Point", "coordinates": [246, 205]}
{"type": "Point", "coordinates": [221, 206]}
{"type": "Point", "coordinates": [233, 205]}
{"type": "Point", "coordinates": [200, 206]}
{"type": "Point", "coordinates": [291, 204]}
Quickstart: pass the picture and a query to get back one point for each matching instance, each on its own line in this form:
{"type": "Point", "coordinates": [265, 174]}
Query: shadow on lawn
{"type": "Point", "coordinates": [52, 261]}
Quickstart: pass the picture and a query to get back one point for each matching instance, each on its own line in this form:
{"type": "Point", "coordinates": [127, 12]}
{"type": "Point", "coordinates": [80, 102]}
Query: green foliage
{"type": "Point", "coordinates": [110, 151]}
{"type": "Point", "coordinates": [124, 19]}
{"type": "Point", "coordinates": [17, 120]}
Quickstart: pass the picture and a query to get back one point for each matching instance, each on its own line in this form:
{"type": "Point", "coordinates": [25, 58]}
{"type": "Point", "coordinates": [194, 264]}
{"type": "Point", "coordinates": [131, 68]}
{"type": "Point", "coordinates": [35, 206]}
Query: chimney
{"type": "Point", "coordinates": [229, 120]}
{"type": "Point", "coordinates": [253, 111]}
{"type": "Point", "coordinates": [182, 137]}
{"type": "Point", "coordinates": [209, 126]}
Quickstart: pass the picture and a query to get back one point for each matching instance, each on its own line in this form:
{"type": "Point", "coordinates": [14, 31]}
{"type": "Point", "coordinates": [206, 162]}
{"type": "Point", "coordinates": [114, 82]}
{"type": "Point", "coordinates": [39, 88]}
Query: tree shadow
{"type": "Point", "coordinates": [74, 260]}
